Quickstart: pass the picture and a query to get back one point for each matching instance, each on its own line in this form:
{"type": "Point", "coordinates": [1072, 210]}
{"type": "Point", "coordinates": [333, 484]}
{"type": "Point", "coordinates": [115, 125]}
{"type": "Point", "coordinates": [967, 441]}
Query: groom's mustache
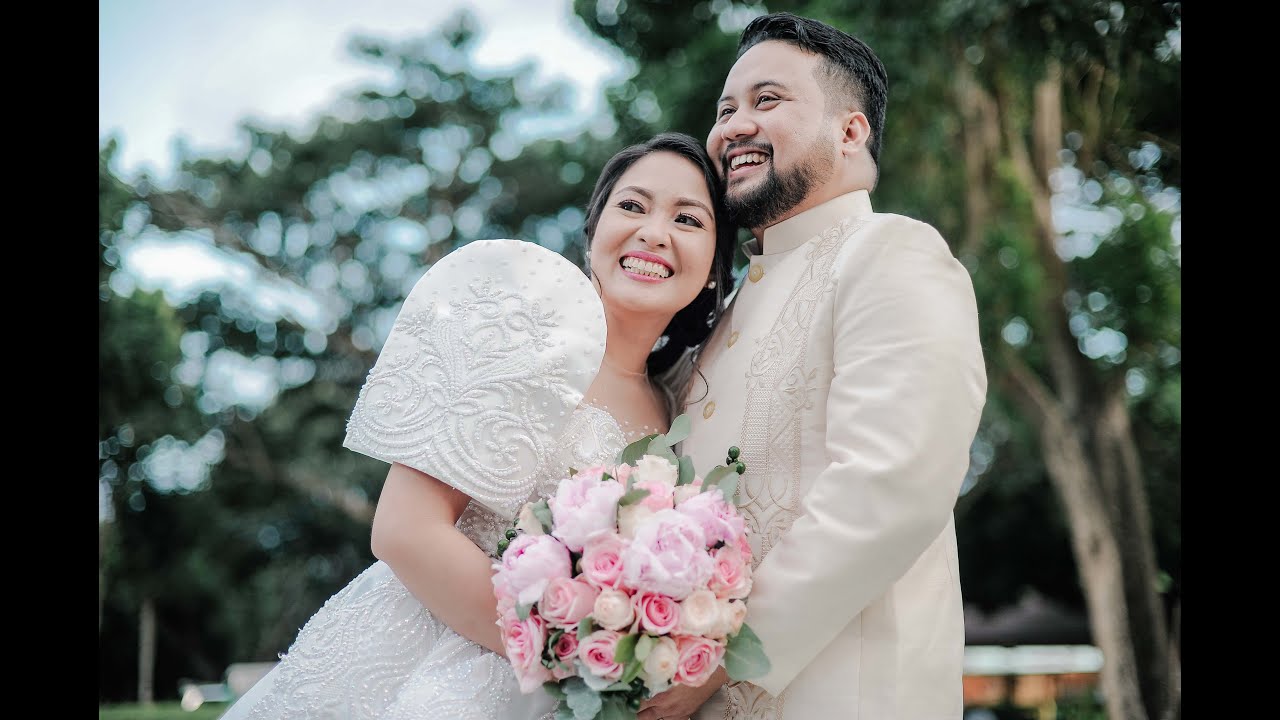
{"type": "Point", "coordinates": [763, 147]}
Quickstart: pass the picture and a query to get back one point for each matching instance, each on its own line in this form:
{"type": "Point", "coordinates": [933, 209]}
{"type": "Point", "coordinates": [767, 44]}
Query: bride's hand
{"type": "Point", "coordinates": [682, 701]}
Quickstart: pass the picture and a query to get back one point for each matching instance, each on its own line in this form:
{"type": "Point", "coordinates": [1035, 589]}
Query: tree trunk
{"type": "Point", "coordinates": [1091, 457]}
{"type": "Point", "coordinates": [146, 651]}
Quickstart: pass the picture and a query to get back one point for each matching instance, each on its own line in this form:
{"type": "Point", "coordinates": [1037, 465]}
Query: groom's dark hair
{"type": "Point", "coordinates": [850, 74]}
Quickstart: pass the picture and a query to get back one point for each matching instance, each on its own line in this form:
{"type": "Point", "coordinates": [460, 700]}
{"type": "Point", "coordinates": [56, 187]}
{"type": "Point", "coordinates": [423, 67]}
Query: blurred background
{"type": "Point", "coordinates": [275, 177]}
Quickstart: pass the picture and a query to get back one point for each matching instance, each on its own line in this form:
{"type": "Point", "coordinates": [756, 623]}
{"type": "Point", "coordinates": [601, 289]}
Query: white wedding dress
{"type": "Point", "coordinates": [481, 384]}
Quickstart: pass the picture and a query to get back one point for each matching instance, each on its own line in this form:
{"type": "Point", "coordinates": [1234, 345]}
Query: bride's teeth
{"type": "Point", "coordinates": [645, 267]}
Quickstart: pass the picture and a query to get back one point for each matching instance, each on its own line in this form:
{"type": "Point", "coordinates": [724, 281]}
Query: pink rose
{"type": "Point", "coordinates": [731, 577]}
{"type": "Point", "coordinates": [658, 614]}
{"type": "Point", "coordinates": [584, 506]}
{"type": "Point", "coordinates": [621, 473]}
{"type": "Point", "coordinates": [530, 562]}
{"type": "Point", "coordinates": [596, 653]}
{"type": "Point", "coordinates": [506, 601]}
{"type": "Point", "coordinates": [699, 657]}
{"type": "Point", "coordinates": [524, 641]}
{"type": "Point", "coordinates": [660, 497]}
{"type": "Point", "coordinates": [565, 650]}
{"type": "Point", "coordinates": [719, 520]}
{"type": "Point", "coordinates": [668, 556]}
{"type": "Point", "coordinates": [566, 601]}
{"type": "Point", "coordinates": [602, 560]}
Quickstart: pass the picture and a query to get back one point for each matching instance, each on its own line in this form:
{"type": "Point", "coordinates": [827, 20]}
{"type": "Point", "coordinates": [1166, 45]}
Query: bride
{"type": "Point", "coordinates": [506, 366]}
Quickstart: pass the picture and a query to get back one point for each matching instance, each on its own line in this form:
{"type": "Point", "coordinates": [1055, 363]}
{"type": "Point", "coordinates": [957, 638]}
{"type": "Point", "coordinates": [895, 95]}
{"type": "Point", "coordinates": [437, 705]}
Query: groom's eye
{"type": "Point", "coordinates": [724, 111]}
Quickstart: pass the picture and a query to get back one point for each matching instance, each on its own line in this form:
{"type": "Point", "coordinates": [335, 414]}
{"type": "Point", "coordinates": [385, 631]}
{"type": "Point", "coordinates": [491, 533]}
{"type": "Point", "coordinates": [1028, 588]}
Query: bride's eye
{"type": "Point", "coordinates": [631, 206]}
{"type": "Point", "coordinates": [688, 219]}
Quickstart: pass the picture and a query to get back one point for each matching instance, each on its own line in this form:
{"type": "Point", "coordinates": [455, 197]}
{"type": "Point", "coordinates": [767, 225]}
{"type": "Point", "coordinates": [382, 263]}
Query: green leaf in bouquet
{"type": "Point", "coordinates": [728, 485]}
{"type": "Point", "coordinates": [584, 701]}
{"type": "Point", "coordinates": [553, 689]}
{"type": "Point", "coordinates": [636, 450]}
{"type": "Point", "coordinates": [643, 646]}
{"type": "Point", "coordinates": [714, 477]}
{"type": "Point", "coordinates": [522, 611]}
{"type": "Point", "coordinates": [678, 431]}
{"type": "Point", "coordinates": [662, 450]}
{"type": "Point", "coordinates": [686, 474]}
{"type": "Point", "coordinates": [563, 712]}
{"type": "Point", "coordinates": [744, 657]}
{"type": "Point", "coordinates": [632, 497]}
{"type": "Point", "coordinates": [543, 512]}
{"type": "Point", "coordinates": [630, 672]}
{"type": "Point", "coordinates": [584, 628]}
{"type": "Point", "coordinates": [615, 707]}
{"type": "Point", "coordinates": [626, 650]}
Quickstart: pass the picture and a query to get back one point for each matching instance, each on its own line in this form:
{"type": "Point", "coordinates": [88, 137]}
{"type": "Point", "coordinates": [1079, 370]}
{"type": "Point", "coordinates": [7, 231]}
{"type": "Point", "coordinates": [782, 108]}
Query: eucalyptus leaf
{"type": "Point", "coordinates": [636, 450]}
{"type": "Point", "coordinates": [553, 689]}
{"type": "Point", "coordinates": [729, 486]}
{"type": "Point", "coordinates": [543, 513]}
{"type": "Point", "coordinates": [744, 657]}
{"type": "Point", "coordinates": [633, 497]}
{"type": "Point", "coordinates": [584, 628]}
{"type": "Point", "coordinates": [643, 646]}
{"type": "Point", "coordinates": [522, 611]}
{"type": "Point", "coordinates": [678, 431]}
{"type": "Point", "coordinates": [631, 671]}
{"type": "Point", "coordinates": [686, 474]}
{"type": "Point", "coordinates": [626, 650]}
{"type": "Point", "coordinates": [717, 474]}
{"type": "Point", "coordinates": [658, 449]}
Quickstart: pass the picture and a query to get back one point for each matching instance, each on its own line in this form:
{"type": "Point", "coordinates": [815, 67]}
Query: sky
{"type": "Point", "coordinates": [195, 70]}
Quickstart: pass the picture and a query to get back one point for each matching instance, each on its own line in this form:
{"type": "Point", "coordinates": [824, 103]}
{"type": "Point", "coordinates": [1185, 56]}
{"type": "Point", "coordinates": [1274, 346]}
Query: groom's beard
{"type": "Point", "coordinates": [779, 192]}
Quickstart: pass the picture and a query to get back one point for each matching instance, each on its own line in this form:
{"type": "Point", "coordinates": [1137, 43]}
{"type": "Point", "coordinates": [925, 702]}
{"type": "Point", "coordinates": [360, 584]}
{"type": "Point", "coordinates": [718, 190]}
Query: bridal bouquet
{"type": "Point", "coordinates": [631, 578]}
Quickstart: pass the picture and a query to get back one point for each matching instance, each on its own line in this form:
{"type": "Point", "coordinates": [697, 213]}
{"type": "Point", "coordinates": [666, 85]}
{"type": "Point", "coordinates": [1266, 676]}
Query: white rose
{"type": "Point", "coordinates": [684, 492]}
{"type": "Point", "coordinates": [613, 610]}
{"type": "Point", "coordinates": [630, 517]}
{"type": "Point", "coordinates": [732, 614]}
{"type": "Point", "coordinates": [660, 664]}
{"type": "Point", "coordinates": [528, 522]}
{"type": "Point", "coordinates": [652, 468]}
{"type": "Point", "coordinates": [700, 614]}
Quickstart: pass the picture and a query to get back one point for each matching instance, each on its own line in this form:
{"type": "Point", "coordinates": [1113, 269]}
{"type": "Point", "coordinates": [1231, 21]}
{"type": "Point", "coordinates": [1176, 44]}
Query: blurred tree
{"type": "Point", "coordinates": [326, 234]}
{"type": "Point", "coordinates": [1043, 139]}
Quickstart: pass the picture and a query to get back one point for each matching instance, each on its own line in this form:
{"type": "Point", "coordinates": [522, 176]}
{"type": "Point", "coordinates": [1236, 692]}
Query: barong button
{"type": "Point", "coordinates": [756, 272]}
{"type": "Point", "coordinates": [733, 338]}
{"type": "Point", "coordinates": [709, 409]}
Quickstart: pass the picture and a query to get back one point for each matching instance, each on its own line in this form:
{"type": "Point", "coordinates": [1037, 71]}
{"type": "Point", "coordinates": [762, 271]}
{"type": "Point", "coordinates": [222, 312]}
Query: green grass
{"type": "Point", "coordinates": [160, 711]}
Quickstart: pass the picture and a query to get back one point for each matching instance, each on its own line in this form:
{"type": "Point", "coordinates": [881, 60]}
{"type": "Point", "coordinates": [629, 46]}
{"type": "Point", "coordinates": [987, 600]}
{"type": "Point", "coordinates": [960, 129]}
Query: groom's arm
{"type": "Point", "coordinates": [907, 393]}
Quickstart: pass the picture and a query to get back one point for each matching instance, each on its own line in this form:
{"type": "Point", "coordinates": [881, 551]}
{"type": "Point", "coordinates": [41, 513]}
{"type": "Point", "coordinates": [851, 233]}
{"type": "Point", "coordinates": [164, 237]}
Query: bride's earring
{"type": "Point", "coordinates": [711, 284]}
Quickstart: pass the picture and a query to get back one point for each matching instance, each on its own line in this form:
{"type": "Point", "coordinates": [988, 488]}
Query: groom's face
{"type": "Point", "coordinates": [772, 141]}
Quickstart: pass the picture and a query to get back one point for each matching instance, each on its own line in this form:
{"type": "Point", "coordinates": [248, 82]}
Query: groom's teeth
{"type": "Point", "coordinates": [644, 267]}
{"type": "Point", "coordinates": [740, 160]}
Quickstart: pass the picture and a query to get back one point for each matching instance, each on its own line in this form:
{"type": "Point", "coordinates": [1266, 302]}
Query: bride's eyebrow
{"type": "Point", "coordinates": [680, 201]}
{"type": "Point", "coordinates": [695, 203]}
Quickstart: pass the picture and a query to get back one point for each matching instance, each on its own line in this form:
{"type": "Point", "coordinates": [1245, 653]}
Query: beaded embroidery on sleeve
{"type": "Point", "coordinates": [490, 354]}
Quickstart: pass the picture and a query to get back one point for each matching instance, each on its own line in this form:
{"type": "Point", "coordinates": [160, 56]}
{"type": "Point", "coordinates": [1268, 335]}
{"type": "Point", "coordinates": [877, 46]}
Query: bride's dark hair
{"type": "Point", "coordinates": [670, 361]}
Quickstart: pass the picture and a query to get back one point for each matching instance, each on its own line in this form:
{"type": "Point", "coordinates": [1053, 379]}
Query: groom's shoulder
{"type": "Point", "coordinates": [885, 237]}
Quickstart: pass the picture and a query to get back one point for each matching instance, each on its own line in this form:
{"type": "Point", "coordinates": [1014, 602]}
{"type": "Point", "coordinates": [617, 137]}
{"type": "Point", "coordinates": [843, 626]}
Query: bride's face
{"type": "Point", "coordinates": [655, 241]}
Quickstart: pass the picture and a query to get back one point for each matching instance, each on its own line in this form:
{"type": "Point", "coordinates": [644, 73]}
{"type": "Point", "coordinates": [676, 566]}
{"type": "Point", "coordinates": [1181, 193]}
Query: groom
{"type": "Point", "coordinates": [850, 373]}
